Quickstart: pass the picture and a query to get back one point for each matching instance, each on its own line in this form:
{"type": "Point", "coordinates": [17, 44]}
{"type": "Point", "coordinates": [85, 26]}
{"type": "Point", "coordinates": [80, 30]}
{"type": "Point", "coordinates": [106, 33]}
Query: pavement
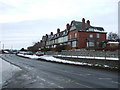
{"type": "Point", "coordinates": [41, 74]}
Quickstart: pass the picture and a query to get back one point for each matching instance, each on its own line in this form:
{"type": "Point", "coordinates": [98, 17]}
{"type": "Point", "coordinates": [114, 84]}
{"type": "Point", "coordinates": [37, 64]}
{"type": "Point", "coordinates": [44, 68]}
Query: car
{"type": "Point", "coordinates": [39, 53]}
{"type": "Point", "coordinates": [29, 53]}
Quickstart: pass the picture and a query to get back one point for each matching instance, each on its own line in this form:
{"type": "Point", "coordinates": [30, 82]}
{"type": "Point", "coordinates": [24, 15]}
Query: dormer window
{"type": "Point", "coordinates": [72, 24]}
{"type": "Point", "coordinates": [91, 29]}
{"type": "Point", "coordinates": [63, 33]}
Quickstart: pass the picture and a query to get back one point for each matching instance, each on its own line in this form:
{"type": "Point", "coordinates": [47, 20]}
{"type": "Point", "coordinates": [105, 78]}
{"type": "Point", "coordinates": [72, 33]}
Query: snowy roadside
{"type": "Point", "coordinates": [7, 70]}
{"type": "Point", "coordinates": [88, 57]}
{"type": "Point", "coordinates": [53, 59]}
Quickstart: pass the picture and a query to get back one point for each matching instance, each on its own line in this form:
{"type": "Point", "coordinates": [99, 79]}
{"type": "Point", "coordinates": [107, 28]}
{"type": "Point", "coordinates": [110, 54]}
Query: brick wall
{"type": "Point", "coordinates": [113, 54]}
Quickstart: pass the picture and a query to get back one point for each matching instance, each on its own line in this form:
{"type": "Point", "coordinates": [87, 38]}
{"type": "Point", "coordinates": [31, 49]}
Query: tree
{"type": "Point", "coordinates": [22, 49]}
{"type": "Point", "coordinates": [113, 36]}
{"type": "Point", "coordinates": [35, 47]}
{"type": "Point", "coordinates": [59, 48]}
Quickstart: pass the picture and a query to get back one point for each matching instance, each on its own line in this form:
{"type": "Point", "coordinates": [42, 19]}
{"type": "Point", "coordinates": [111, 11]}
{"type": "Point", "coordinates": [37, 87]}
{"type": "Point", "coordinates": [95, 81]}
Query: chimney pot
{"type": "Point", "coordinates": [46, 34]}
{"type": "Point", "coordinates": [51, 33]}
{"type": "Point", "coordinates": [88, 22]}
{"type": "Point", "coordinates": [58, 30]}
{"type": "Point", "coordinates": [83, 19]}
{"type": "Point", "coordinates": [83, 24]}
{"type": "Point", "coordinates": [67, 26]}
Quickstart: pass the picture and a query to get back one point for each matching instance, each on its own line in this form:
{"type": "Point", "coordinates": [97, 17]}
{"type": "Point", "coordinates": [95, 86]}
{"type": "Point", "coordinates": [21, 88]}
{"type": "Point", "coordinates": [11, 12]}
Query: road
{"type": "Point", "coordinates": [42, 74]}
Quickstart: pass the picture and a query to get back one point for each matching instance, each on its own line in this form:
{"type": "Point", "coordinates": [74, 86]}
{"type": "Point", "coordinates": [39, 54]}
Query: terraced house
{"type": "Point", "coordinates": [77, 34]}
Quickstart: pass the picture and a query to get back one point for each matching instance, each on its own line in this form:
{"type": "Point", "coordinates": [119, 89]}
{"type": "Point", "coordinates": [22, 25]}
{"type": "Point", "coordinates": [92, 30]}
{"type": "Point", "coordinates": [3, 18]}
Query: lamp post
{"type": "Point", "coordinates": [3, 47]}
{"type": "Point", "coordinates": [0, 45]}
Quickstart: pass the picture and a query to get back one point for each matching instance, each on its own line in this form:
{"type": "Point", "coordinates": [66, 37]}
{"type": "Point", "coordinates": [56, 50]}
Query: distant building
{"type": "Point", "coordinates": [78, 35]}
{"type": "Point", "coordinates": [112, 44]}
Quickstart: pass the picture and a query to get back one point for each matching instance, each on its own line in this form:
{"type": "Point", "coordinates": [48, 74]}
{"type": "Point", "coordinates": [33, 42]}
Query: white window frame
{"type": "Point", "coordinates": [97, 35]}
{"type": "Point", "coordinates": [97, 43]}
{"type": "Point", "coordinates": [91, 35]}
{"type": "Point", "coordinates": [75, 35]}
{"type": "Point", "coordinates": [74, 43]}
{"type": "Point", "coordinates": [70, 36]}
{"type": "Point", "coordinates": [91, 44]}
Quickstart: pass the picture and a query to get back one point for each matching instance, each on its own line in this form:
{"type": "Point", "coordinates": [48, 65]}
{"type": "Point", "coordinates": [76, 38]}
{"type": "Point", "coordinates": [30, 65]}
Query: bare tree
{"type": "Point", "coordinates": [113, 36]}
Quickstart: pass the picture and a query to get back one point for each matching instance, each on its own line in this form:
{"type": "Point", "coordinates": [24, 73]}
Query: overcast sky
{"type": "Point", "coordinates": [23, 22]}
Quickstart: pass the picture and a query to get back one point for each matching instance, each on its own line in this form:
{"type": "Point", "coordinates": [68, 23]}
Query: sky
{"type": "Point", "coordinates": [24, 22]}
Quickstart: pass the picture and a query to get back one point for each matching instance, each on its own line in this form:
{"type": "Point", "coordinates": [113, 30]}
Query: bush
{"type": "Point", "coordinates": [59, 48]}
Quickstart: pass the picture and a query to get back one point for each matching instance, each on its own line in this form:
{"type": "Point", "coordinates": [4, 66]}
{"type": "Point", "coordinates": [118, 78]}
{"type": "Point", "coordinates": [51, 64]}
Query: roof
{"type": "Point", "coordinates": [75, 25]}
{"type": "Point", "coordinates": [97, 28]}
{"type": "Point", "coordinates": [51, 37]}
{"type": "Point", "coordinates": [78, 26]}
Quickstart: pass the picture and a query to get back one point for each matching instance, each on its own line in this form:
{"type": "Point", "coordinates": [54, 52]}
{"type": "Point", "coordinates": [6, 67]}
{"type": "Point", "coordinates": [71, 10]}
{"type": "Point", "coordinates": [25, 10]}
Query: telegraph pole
{"type": "Point", "coordinates": [0, 45]}
{"type": "Point", "coordinates": [3, 47]}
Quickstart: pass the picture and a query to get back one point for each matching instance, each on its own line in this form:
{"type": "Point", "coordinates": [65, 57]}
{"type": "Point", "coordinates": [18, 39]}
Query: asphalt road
{"type": "Point", "coordinates": [42, 74]}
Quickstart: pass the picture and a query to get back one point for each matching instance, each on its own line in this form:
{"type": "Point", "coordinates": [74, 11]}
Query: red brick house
{"type": "Point", "coordinates": [78, 35]}
{"type": "Point", "coordinates": [83, 35]}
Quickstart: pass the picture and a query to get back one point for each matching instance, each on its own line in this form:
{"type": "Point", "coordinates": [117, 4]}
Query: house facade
{"type": "Point", "coordinates": [78, 35]}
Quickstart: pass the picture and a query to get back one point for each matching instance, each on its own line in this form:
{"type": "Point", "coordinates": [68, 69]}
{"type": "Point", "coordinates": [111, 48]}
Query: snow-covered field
{"type": "Point", "coordinates": [7, 70]}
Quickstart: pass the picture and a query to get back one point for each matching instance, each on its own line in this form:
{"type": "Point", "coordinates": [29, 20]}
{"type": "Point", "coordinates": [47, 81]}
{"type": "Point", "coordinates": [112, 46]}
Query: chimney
{"type": "Point", "coordinates": [58, 30]}
{"type": "Point", "coordinates": [51, 33]}
{"type": "Point", "coordinates": [40, 41]}
{"type": "Point", "coordinates": [88, 22]}
{"type": "Point", "coordinates": [67, 26]}
{"type": "Point", "coordinates": [46, 35]}
{"type": "Point", "coordinates": [83, 24]}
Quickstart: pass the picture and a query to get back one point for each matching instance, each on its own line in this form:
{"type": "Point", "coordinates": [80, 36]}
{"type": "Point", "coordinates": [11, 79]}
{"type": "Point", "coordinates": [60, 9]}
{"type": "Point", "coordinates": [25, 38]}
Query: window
{"type": "Point", "coordinates": [75, 35]}
{"type": "Point", "coordinates": [65, 38]}
{"type": "Point", "coordinates": [97, 44]}
{"type": "Point", "coordinates": [70, 36]}
{"type": "Point", "coordinates": [91, 44]}
{"type": "Point", "coordinates": [74, 43]}
{"type": "Point", "coordinates": [91, 29]}
{"type": "Point", "coordinates": [98, 35]}
{"type": "Point", "coordinates": [91, 36]}
{"type": "Point", "coordinates": [69, 43]}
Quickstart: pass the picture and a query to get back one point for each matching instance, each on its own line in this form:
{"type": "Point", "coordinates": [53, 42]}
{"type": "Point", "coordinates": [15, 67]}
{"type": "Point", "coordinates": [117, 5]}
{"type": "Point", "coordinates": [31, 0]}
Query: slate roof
{"type": "Point", "coordinates": [78, 26]}
{"type": "Point", "coordinates": [98, 28]}
{"type": "Point", "coordinates": [51, 37]}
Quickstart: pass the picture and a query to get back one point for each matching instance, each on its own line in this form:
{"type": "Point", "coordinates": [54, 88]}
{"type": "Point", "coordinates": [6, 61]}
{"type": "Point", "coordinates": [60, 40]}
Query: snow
{"type": "Point", "coordinates": [7, 70]}
{"type": "Point", "coordinates": [29, 56]}
{"type": "Point", "coordinates": [88, 57]}
{"type": "Point", "coordinates": [51, 58]}
{"type": "Point", "coordinates": [114, 42]}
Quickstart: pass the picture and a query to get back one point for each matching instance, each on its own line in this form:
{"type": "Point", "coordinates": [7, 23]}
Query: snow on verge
{"type": "Point", "coordinates": [7, 70]}
{"type": "Point", "coordinates": [88, 57]}
{"type": "Point", "coordinates": [53, 59]}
